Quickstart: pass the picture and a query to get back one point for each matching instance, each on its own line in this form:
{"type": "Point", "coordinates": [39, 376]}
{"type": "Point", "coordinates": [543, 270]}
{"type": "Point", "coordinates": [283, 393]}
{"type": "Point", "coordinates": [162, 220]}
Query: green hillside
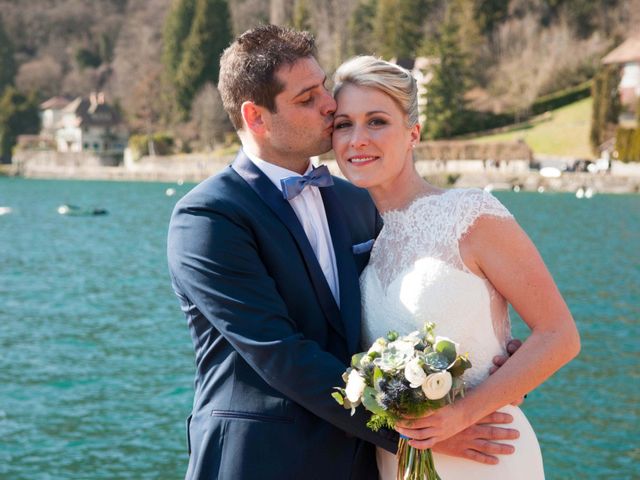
{"type": "Point", "coordinates": [563, 132]}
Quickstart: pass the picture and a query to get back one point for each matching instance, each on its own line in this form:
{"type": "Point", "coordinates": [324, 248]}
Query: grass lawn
{"type": "Point", "coordinates": [562, 132]}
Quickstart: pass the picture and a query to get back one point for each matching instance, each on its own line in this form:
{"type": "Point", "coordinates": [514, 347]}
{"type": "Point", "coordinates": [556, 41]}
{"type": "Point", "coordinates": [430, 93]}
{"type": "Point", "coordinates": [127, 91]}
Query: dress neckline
{"type": "Point", "coordinates": [399, 212]}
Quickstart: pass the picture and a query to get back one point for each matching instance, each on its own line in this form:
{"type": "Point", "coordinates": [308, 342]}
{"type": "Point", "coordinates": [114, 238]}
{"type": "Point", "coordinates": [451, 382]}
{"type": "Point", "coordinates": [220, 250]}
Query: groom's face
{"type": "Point", "coordinates": [302, 124]}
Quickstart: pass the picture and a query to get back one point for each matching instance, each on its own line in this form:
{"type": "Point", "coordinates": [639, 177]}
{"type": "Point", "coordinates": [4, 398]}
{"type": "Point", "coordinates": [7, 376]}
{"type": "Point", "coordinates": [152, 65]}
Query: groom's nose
{"type": "Point", "coordinates": [329, 104]}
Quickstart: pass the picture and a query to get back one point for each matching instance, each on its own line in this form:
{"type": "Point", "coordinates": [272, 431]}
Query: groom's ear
{"type": "Point", "coordinates": [253, 117]}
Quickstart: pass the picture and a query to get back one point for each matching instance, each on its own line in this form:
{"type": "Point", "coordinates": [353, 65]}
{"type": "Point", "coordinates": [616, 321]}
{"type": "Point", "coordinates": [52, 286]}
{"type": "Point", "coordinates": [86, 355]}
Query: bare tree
{"type": "Point", "coordinates": [145, 106]}
{"type": "Point", "coordinates": [211, 120]}
{"type": "Point", "coordinates": [43, 75]}
{"type": "Point", "coordinates": [248, 13]}
{"type": "Point", "coordinates": [281, 12]}
{"type": "Point", "coordinates": [625, 19]}
{"type": "Point", "coordinates": [533, 60]}
{"type": "Point", "coordinates": [77, 82]}
{"type": "Point", "coordinates": [137, 56]}
{"type": "Point", "coordinates": [330, 24]}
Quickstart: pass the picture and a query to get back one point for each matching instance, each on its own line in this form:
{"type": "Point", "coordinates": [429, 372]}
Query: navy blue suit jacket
{"type": "Point", "coordinates": [270, 340]}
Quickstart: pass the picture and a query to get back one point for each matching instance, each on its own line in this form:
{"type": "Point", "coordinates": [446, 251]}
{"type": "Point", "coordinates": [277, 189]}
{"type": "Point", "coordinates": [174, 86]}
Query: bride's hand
{"type": "Point", "coordinates": [435, 427]}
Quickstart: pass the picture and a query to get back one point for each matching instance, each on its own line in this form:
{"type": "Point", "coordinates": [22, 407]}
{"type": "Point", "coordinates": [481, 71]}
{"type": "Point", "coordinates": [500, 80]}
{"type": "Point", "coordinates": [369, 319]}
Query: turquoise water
{"type": "Point", "coordinates": [96, 361]}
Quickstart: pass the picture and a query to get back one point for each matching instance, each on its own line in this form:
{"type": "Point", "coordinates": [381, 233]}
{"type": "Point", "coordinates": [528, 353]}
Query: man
{"type": "Point", "coordinates": [265, 264]}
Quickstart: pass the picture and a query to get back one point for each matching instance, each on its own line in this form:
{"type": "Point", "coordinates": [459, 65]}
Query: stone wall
{"type": "Point", "coordinates": [471, 150]}
{"type": "Point", "coordinates": [506, 174]}
{"type": "Point", "coordinates": [84, 166]}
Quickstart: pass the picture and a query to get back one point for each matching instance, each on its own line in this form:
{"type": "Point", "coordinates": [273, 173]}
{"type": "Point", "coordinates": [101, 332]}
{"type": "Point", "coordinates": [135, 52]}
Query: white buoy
{"type": "Point", "coordinates": [550, 172]}
{"type": "Point", "coordinates": [540, 189]}
{"type": "Point", "coordinates": [63, 209]}
{"type": "Point", "coordinates": [5, 210]}
{"type": "Point", "coordinates": [516, 188]}
{"type": "Point", "coordinates": [580, 193]}
{"type": "Point", "coordinates": [588, 193]}
{"type": "Point", "coordinates": [180, 182]}
{"type": "Point", "coordinates": [170, 192]}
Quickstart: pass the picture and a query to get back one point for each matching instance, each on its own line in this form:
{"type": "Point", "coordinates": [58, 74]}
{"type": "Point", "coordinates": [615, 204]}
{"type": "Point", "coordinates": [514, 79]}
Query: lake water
{"type": "Point", "coordinates": [96, 362]}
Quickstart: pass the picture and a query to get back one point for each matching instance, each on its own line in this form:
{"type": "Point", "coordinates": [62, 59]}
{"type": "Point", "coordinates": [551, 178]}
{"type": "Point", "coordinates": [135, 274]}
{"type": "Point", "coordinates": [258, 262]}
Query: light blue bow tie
{"type": "Point", "coordinates": [318, 177]}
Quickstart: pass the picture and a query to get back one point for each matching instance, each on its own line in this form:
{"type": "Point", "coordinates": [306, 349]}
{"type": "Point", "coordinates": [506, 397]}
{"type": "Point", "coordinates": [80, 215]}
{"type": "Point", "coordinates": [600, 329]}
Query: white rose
{"type": "Point", "coordinates": [355, 386]}
{"type": "Point", "coordinates": [437, 385]}
{"type": "Point", "coordinates": [447, 339]}
{"type": "Point", "coordinates": [414, 373]}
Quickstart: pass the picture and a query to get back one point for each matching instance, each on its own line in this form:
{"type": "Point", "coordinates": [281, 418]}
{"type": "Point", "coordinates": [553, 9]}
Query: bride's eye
{"type": "Point", "coordinates": [376, 122]}
{"type": "Point", "coordinates": [340, 125]}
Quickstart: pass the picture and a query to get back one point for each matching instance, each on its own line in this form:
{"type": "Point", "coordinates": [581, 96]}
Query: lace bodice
{"type": "Point", "coordinates": [416, 274]}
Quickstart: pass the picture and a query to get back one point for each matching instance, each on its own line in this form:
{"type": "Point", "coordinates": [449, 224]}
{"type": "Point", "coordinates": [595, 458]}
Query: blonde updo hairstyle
{"type": "Point", "coordinates": [389, 78]}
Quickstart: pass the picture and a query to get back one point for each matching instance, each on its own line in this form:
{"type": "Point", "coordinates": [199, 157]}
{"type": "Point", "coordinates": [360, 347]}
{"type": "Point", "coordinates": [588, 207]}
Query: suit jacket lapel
{"type": "Point", "coordinates": [347, 272]}
{"type": "Point", "coordinates": [271, 196]}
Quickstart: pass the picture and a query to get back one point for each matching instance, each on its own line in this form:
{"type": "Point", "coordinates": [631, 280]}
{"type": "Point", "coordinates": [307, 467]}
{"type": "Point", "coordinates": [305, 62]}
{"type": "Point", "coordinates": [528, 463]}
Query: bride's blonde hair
{"type": "Point", "coordinates": [389, 78]}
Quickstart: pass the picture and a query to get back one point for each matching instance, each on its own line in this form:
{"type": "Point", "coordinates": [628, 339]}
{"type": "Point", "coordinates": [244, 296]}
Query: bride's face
{"type": "Point", "coordinates": [371, 140]}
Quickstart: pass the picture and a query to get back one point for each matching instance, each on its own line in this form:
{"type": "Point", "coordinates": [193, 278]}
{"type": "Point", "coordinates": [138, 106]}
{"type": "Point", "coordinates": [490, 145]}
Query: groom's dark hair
{"type": "Point", "coordinates": [248, 66]}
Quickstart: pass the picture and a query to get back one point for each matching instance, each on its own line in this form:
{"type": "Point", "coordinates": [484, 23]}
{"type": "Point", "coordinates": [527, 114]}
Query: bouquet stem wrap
{"type": "Point", "coordinates": [414, 464]}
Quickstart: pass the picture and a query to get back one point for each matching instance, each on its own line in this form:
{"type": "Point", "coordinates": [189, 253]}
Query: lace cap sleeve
{"type": "Point", "coordinates": [476, 203]}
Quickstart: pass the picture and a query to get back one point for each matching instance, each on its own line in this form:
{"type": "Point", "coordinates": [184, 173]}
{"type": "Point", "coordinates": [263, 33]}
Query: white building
{"type": "Point", "coordinates": [84, 125]}
{"type": "Point", "coordinates": [51, 115]}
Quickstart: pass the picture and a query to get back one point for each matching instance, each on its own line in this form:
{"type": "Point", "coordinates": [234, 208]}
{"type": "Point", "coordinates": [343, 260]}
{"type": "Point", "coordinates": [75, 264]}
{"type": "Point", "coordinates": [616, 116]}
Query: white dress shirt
{"type": "Point", "coordinates": [309, 209]}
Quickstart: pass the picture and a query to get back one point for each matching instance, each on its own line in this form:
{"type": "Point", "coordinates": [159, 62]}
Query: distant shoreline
{"type": "Point", "coordinates": [193, 173]}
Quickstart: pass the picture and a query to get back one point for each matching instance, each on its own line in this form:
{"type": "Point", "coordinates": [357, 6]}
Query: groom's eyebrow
{"type": "Point", "coordinates": [312, 87]}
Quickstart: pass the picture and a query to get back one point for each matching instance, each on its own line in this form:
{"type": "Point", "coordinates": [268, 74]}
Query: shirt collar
{"type": "Point", "coordinates": [275, 173]}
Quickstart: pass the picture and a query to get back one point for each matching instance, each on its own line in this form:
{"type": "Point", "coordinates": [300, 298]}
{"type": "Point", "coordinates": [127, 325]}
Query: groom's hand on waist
{"type": "Point", "coordinates": [480, 442]}
{"type": "Point", "coordinates": [498, 361]}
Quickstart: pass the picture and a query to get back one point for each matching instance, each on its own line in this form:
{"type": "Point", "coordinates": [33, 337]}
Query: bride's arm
{"type": "Point", "coordinates": [502, 252]}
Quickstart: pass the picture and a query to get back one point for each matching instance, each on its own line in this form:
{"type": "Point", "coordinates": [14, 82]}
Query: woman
{"type": "Point", "coordinates": [453, 257]}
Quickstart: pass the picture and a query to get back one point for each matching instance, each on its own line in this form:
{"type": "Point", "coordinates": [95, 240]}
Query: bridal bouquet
{"type": "Point", "coordinates": [405, 376]}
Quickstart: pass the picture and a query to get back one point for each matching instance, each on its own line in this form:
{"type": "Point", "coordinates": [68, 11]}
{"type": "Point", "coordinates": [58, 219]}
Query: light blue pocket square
{"type": "Point", "coordinates": [362, 247]}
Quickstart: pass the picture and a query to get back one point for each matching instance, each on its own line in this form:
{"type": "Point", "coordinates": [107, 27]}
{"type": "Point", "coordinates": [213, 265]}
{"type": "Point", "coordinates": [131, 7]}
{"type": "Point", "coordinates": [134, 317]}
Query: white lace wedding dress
{"type": "Point", "coordinates": [416, 274]}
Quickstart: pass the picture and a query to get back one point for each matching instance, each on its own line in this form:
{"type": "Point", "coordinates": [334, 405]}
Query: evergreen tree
{"type": "Point", "coordinates": [606, 105]}
{"type": "Point", "coordinates": [595, 133]}
{"type": "Point", "coordinates": [397, 27]}
{"type": "Point", "coordinates": [7, 62]}
{"type": "Point", "coordinates": [176, 30]}
{"type": "Point", "coordinates": [385, 26]}
{"type": "Point", "coordinates": [410, 16]}
{"type": "Point", "coordinates": [473, 44]}
{"type": "Point", "coordinates": [85, 58]}
{"type": "Point", "coordinates": [491, 13]}
{"type": "Point", "coordinates": [209, 36]}
{"type": "Point", "coordinates": [301, 15]}
{"type": "Point", "coordinates": [361, 39]}
{"type": "Point", "coordinates": [445, 93]}
{"type": "Point", "coordinates": [18, 115]}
